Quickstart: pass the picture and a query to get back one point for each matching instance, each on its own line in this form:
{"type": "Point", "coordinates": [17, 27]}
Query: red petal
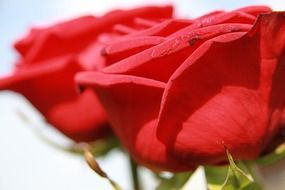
{"type": "Point", "coordinates": [255, 10]}
{"type": "Point", "coordinates": [82, 119]}
{"type": "Point", "coordinates": [225, 101]}
{"type": "Point", "coordinates": [160, 61]}
{"type": "Point", "coordinates": [49, 86]}
{"type": "Point", "coordinates": [132, 104]}
{"type": "Point", "coordinates": [129, 46]}
{"type": "Point", "coordinates": [58, 40]}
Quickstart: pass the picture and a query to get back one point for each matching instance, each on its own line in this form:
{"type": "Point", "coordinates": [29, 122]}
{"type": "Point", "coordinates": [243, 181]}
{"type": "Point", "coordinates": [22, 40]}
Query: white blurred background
{"type": "Point", "coordinates": [26, 161]}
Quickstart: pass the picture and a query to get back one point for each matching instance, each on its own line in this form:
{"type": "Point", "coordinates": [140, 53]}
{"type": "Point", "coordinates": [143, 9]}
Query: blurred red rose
{"type": "Point", "coordinates": [209, 83]}
{"type": "Point", "coordinates": [51, 56]}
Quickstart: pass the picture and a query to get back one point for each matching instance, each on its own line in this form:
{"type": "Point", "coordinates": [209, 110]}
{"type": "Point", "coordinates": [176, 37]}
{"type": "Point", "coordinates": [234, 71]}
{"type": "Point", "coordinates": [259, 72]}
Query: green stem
{"type": "Point", "coordinates": [135, 175]}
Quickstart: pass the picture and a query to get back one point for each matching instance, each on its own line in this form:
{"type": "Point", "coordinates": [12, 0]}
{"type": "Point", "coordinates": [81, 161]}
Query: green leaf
{"type": "Point", "coordinates": [215, 176]}
{"type": "Point", "coordinates": [275, 156]}
{"type": "Point", "coordinates": [176, 182]}
{"type": "Point", "coordinates": [97, 148]}
{"type": "Point", "coordinates": [231, 177]}
{"type": "Point", "coordinates": [102, 147]}
{"type": "Point", "coordinates": [242, 176]}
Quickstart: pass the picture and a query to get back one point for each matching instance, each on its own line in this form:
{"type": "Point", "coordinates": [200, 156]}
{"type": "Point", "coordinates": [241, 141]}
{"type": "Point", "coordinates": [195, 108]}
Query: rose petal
{"type": "Point", "coordinates": [50, 88]}
{"type": "Point", "coordinates": [255, 10]}
{"type": "Point", "coordinates": [68, 117]}
{"type": "Point", "coordinates": [225, 101]}
{"type": "Point", "coordinates": [58, 42]}
{"type": "Point", "coordinates": [135, 124]}
{"type": "Point", "coordinates": [160, 61]}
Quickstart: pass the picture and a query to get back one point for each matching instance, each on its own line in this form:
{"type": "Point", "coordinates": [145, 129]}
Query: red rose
{"type": "Point", "coordinates": [217, 82]}
{"type": "Point", "coordinates": [50, 57]}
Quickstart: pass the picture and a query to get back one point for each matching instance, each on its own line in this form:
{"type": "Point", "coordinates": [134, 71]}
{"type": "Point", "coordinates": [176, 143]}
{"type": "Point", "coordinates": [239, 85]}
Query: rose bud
{"type": "Point", "coordinates": [51, 56]}
{"type": "Point", "coordinates": [215, 84]}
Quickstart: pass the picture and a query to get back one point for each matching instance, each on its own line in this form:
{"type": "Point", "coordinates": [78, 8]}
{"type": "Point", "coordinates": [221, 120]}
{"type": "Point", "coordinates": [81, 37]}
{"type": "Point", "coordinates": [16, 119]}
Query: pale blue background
{"type": "Point", "coordinates": [26, 161]}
